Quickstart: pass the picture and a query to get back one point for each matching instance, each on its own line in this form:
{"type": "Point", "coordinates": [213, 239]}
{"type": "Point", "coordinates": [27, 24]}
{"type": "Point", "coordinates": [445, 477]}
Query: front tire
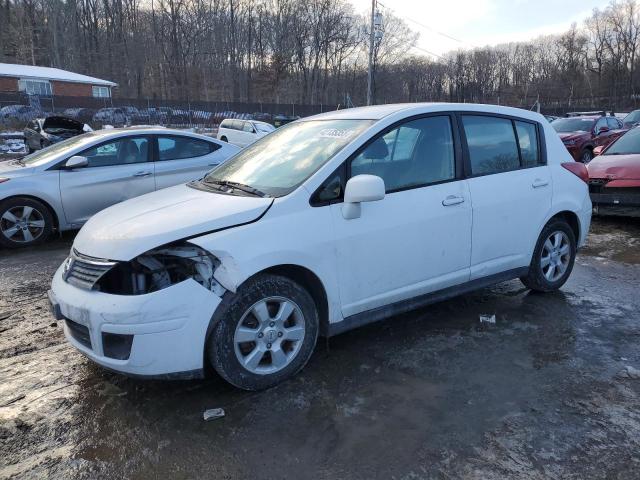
{"type": "Point", "coordinates": [24, 222]}
{"type": "Point", "coordinates": [264, 333]}
{"type": "Point", "coordinates": [553, 258]}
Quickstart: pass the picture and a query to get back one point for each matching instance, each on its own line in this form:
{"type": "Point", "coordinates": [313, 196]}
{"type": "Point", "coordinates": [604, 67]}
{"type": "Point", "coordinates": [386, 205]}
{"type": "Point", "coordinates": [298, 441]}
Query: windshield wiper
{"type": "Point", "coordinates": [238, 186]}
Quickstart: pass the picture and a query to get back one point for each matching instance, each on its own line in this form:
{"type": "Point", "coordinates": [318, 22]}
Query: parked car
{"type": "Point", "coordinates": [116, 117]}
{"type": "Point", "coordinates": [582, 133]}
{"type": "Point", "coordinates": [62, 186]}
{"type": "Point", "coordinates": [632, 119]}
{"type": "Point", "coordinates": [614, 176]}
{"type": "Point", "coordinates": [81, 114]}
{"type": "Point", "coordinates": [18, 114]}
{"type": "Point", "coordinates": [280, 120]}
{"type": "Point", "coordinates": [322, 226]}
{"type": "Point", "coordinates": [42, 132]}
{"type": "Point", "coordinates": [551, 118]}
{"type": "Point", "coordinates": [243, 132]}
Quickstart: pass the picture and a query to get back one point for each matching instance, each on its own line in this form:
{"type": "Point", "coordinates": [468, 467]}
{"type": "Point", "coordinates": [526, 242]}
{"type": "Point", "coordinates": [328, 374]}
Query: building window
{"type": "Point", "coordinates": [35, 87]}
{"type": "Point", "coordinates": [101, 92]}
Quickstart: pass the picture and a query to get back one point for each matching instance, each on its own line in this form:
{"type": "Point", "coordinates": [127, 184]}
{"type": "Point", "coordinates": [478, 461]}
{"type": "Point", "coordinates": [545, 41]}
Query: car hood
{"type": "Point", "coordinates": [571, 135]}
{"type": "Point", "coordinates": [13, 169]}
{"type": "Point", "coordinates": [63, 123]}
{"type": "Point", "coordinates": [133, 227]}
{"type": "Point", "coordinates": [615, 167]}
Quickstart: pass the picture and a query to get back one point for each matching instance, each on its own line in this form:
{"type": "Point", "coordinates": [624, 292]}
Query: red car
{"type": "Point", "coordinates": [582, 134]}
{"type": "Point", "coordinates": [614, 176]}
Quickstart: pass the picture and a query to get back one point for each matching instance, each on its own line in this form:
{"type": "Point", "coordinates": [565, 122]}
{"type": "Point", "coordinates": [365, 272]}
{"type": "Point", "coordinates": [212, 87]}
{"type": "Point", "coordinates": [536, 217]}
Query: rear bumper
{"type": "Point", "coordinates": [617, 199]}
{"type": "Point", "coordinates": [161, 334]}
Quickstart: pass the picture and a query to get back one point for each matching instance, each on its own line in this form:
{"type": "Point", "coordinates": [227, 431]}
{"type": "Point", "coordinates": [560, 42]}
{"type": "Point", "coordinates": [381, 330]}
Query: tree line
{"type": "Point", "coordinates": [315, 52]}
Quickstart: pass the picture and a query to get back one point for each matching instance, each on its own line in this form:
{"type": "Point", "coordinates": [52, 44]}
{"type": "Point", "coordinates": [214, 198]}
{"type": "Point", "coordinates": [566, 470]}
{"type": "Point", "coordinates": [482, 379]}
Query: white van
{"type": "Point", "coordinates": [243, 132]}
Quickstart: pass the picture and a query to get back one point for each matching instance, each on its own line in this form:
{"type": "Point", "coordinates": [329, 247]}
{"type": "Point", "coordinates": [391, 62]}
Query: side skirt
{"type": "Point", "coordinates": [386, 311]}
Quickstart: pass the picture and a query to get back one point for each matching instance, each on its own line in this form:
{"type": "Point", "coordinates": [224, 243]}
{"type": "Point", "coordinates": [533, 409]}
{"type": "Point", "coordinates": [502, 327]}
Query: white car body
{"type": "Point", "coordinates": [243, 132]}
{"type": "Point", "coordinates": [364, 261]}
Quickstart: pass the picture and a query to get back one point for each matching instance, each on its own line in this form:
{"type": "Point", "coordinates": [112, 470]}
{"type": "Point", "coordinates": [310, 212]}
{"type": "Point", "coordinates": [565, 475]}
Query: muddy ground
{"type": "Point", "coordinates": [433, 394]}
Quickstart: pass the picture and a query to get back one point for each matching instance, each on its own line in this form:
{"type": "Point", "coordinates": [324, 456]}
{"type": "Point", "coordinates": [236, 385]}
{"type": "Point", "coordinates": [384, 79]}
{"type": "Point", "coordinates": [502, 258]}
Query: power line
{"type": "Point", "coordinates": [430, 53]}
{"type": "Point", "coordinates": [427, 27]}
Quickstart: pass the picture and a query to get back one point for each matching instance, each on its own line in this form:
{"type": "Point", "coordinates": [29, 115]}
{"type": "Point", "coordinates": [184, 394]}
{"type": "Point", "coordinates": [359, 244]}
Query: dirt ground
{"type": "Point", "coordinates": [434, 394]}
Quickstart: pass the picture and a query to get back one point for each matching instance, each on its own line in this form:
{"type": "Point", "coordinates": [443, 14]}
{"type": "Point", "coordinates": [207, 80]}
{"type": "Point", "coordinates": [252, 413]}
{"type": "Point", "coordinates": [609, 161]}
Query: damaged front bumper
{"type": "Point", "coordinates": [158, 334]}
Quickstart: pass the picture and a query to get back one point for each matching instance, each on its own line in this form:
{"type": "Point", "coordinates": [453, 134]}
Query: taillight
{"type": "Point", "coordinates": [578, 169]}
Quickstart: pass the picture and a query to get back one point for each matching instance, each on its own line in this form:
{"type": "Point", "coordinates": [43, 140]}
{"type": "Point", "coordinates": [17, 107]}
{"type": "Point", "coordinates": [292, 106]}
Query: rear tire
{"type": "Point", "coordinates": [24, 222]}
{"type": "Point", "coordinates": [264, 333]}
{"type": "Point", "coordinates": [553, 258]}
{"type": "Point", "coordinates": [586, 156]}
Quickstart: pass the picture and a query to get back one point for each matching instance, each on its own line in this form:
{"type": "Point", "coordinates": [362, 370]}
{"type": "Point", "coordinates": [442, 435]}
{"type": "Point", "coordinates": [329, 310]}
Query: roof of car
{"type": "Point", "coordinates": [377, 112]}
{"type": "Point", "coordinates": [145, 130]}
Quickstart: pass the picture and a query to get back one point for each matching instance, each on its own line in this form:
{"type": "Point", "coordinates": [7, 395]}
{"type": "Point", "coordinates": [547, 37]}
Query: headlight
{"type": "Point", "coordinates": [4, 179]}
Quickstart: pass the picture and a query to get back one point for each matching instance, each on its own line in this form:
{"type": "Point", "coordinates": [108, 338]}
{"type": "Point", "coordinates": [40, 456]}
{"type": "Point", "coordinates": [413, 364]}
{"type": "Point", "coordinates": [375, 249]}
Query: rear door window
{"type": "Point", "coordinates": [176, 148]}
{"type": "Point", "coordinates": [492, 144]}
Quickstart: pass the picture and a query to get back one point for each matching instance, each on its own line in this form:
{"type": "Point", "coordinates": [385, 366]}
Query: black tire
{"type": "Point", "coordinates": [221, 349]}
{"type": "Point", "coordinates": [224, 139]}
{"type": "Point", "coordinates": [41, 213]}
{"type": "Point", "coordinates": [586, 156]}
{"type": "Point", "coordinates": [536, 279]}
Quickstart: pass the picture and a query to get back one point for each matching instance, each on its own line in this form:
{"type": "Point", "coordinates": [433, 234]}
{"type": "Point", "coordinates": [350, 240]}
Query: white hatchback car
{"type": "Point", "coordinates": [329, 223]}
{"type": "Point", "coordinates": [243, 132]}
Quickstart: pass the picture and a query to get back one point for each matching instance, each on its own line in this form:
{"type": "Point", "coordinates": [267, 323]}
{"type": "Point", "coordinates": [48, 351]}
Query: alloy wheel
{"type": "Point", "coordinates": [22, 224]}
{"type": "Point", "coordinates": [269, 335]}
{"type": "Point", "coordinates": [556, 256]}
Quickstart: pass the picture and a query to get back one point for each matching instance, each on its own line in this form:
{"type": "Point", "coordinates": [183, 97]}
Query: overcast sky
{"type": "Point", "coordinates": [485, 22]}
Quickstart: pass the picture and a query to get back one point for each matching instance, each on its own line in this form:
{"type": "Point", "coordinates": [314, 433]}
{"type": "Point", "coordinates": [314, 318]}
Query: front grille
{"type": "Point", "coordinates": [83, 271]}
{"type": "Point", "coordinates": [80, 333]}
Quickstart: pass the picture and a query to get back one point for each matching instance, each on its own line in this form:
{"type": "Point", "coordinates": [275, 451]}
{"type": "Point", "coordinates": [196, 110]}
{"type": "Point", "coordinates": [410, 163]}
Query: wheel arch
{"type": "Point", "coordinates": [52, 211]}
{"type": "Point", "coordinates": [572, 219]}
{"type": "Point", "coordinates": [311, 283]}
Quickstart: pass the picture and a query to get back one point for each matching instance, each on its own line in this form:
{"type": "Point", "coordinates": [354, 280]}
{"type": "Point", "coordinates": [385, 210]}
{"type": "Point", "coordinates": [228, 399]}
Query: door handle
{"type": "Point", "coordinates": [213, 164]}
{"type": "Point", "coordinates": [538, 183]}
{"type": "Point", "coordinates": [141, 174]}
{"type": "Point", "coordinates": [452, 200]}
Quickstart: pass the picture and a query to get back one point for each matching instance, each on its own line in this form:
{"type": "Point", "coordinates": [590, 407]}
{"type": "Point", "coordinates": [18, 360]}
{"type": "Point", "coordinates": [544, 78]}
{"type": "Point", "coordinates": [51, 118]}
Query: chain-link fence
{"type": "Point", "coordinates": [17, 109]}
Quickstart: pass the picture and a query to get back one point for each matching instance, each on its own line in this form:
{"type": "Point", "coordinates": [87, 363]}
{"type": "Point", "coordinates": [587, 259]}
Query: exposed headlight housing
{"type": "Point", "coordinates": [160, 268]}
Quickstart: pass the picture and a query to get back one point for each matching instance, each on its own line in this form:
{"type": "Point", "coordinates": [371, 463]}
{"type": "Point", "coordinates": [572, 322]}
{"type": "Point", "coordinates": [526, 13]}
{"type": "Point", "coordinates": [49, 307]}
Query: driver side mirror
{"type": "Point", "coordinates": [361, 188]}
{"type": "Point", "coordinates": [598, 150]}
{"type": "Point", "coordinates": [77, 161]}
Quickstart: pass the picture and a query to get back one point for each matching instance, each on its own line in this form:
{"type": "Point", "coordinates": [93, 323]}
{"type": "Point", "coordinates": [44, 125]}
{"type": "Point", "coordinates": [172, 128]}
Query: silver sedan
{"type": "Point", "coordinates": [62, 186]}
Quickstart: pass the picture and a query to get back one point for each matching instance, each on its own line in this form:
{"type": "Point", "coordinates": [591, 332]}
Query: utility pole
{"type": "Point", "coordinates": [372, 38]}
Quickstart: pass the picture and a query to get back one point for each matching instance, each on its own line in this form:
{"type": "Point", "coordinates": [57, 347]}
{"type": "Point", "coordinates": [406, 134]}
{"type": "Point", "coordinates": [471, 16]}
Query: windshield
{"type": "Point", "coordinates": [567, 125]}
{"type": "Point", "coordinates": [46, 154]}
{"type": "Point", "coordinates": [264, 128]}
{"type": "Point", "coordinates": [627, 144]}
{"type": "Point", "coordinates": [633, 117]}
{"type": "Point", "coordinates": [280, 162]}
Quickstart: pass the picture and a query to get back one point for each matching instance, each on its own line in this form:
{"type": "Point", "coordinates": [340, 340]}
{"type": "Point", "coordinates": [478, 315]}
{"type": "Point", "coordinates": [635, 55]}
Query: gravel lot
{"type": "Point", "coordinates": [433, 394]}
